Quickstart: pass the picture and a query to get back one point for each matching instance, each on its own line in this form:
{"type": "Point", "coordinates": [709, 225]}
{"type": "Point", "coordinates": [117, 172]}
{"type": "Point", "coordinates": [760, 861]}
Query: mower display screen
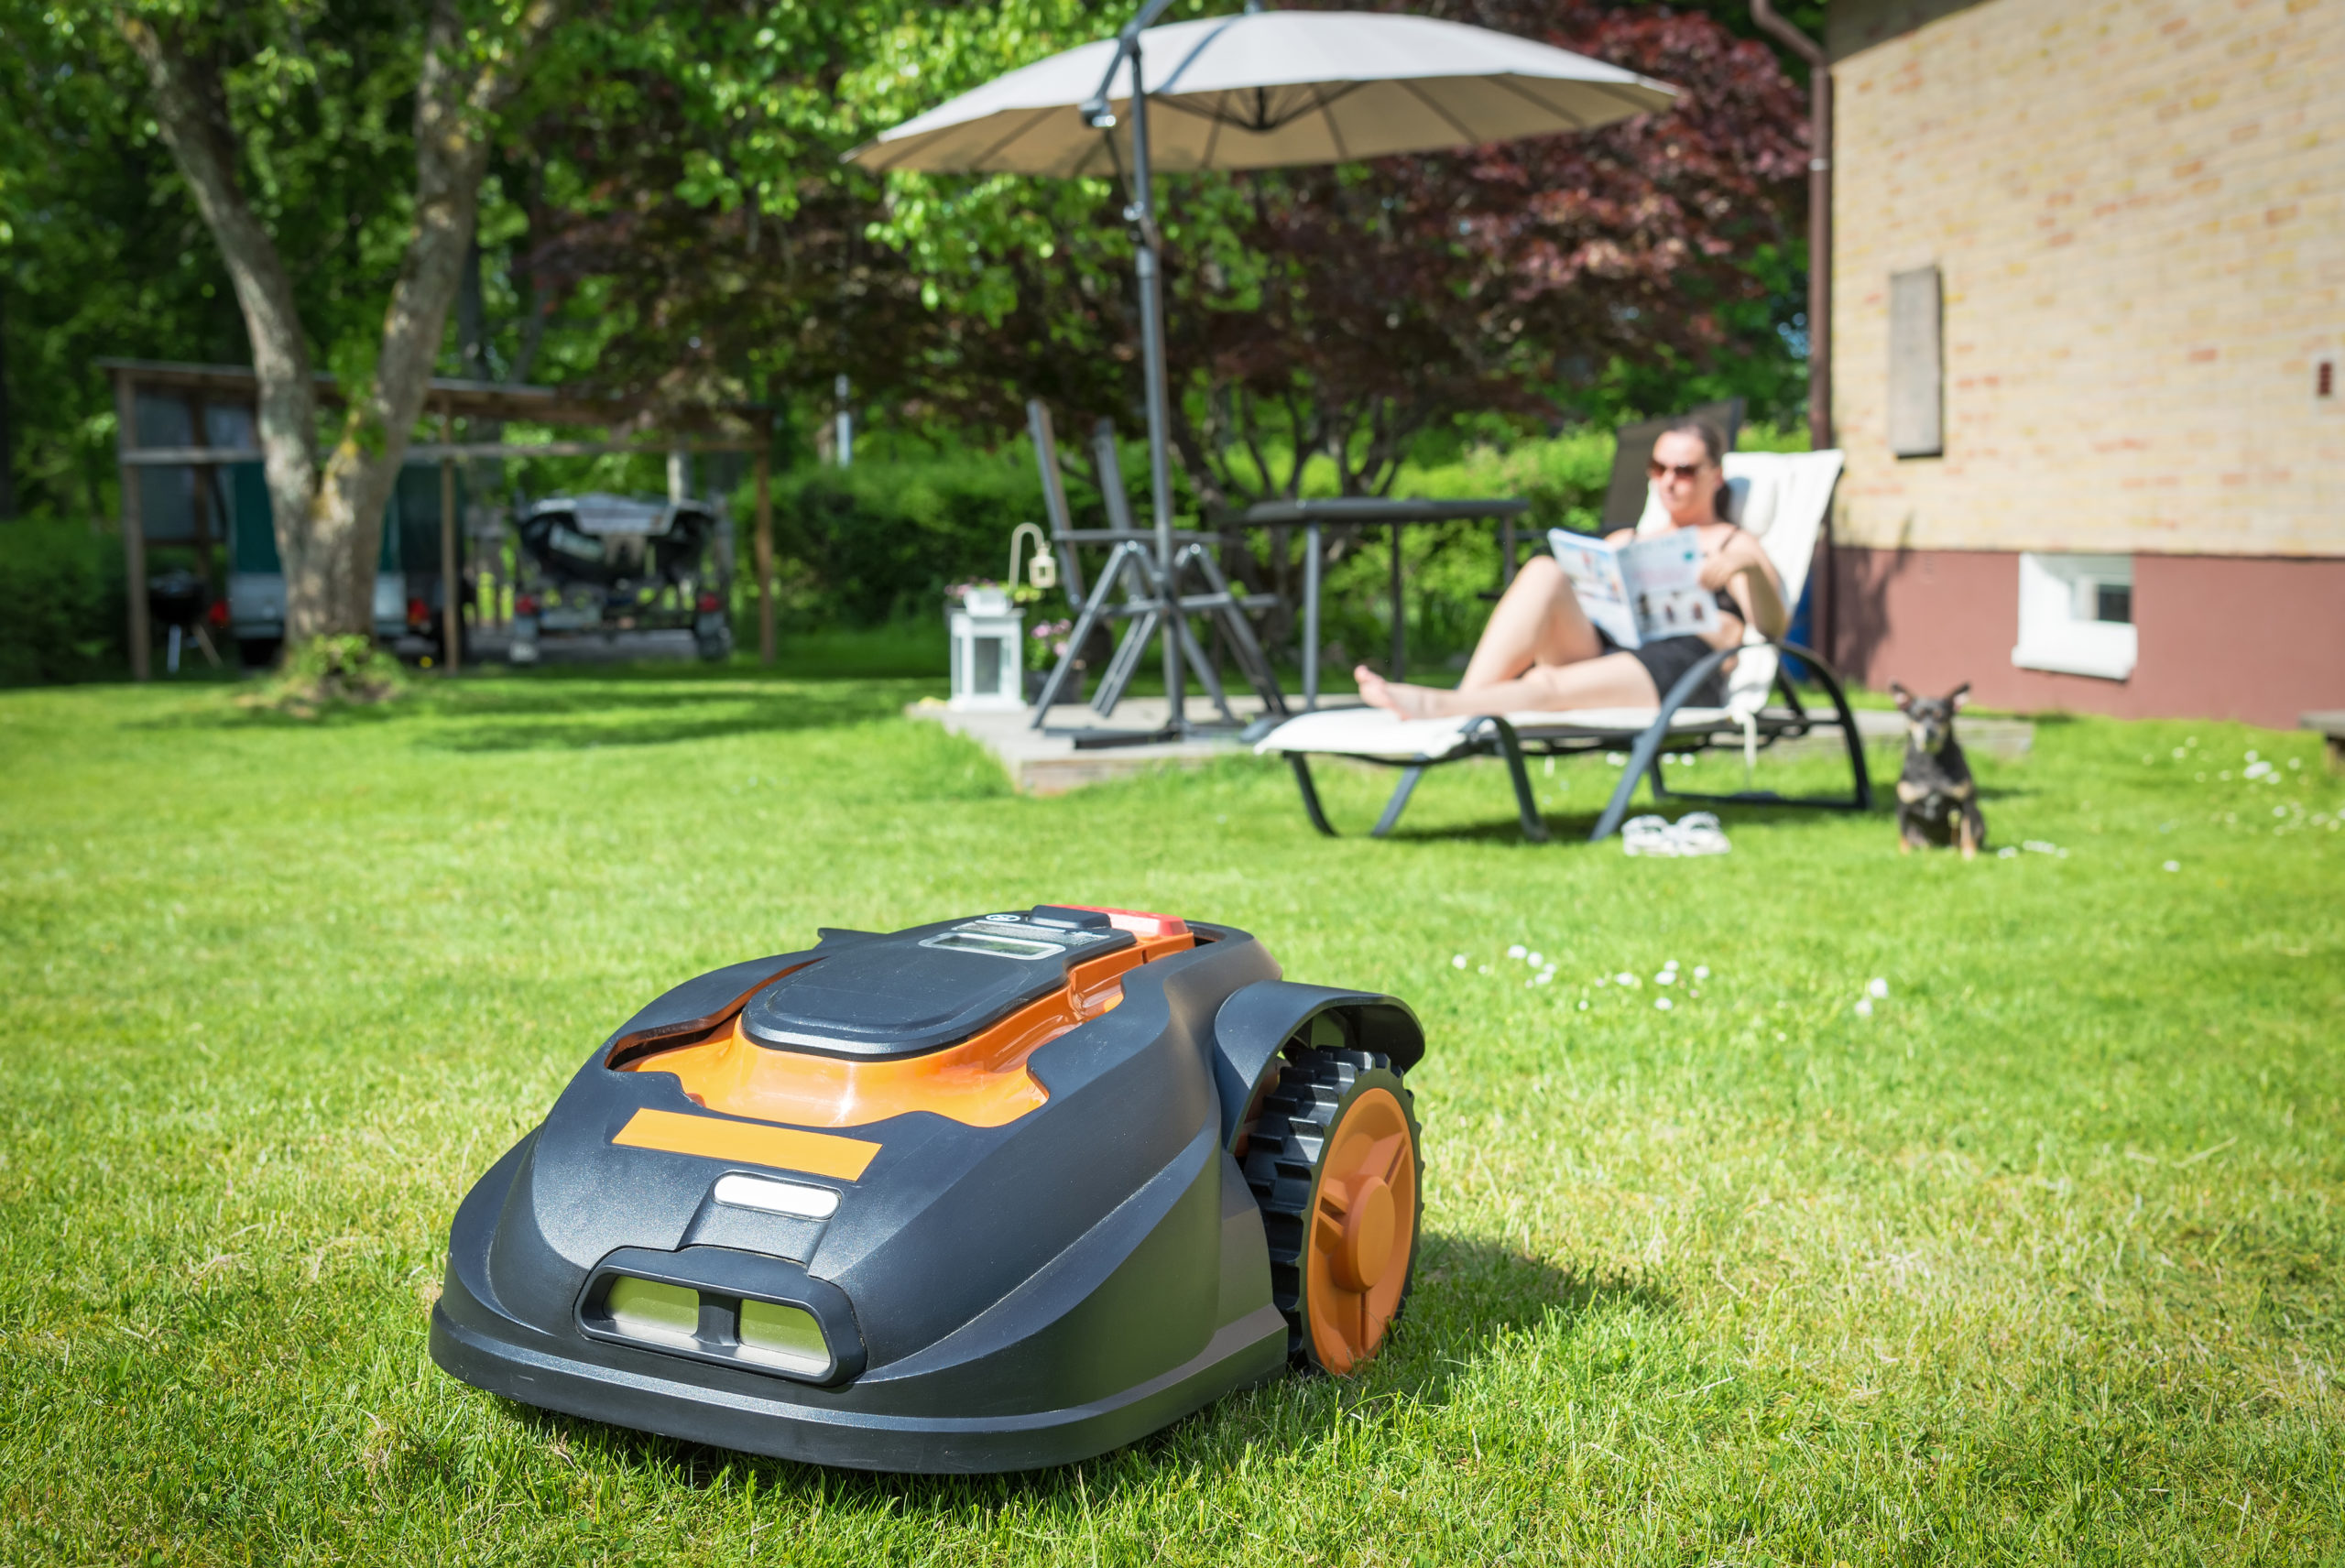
{"type": "Point", "coordinates": [1000, 946]}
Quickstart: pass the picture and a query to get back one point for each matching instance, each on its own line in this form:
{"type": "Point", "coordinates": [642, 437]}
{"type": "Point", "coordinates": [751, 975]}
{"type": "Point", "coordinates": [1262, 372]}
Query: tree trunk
{"type": "Point", "coordinates": [328, 508]}
{"type": "Point", "coordinates": [192, 110]}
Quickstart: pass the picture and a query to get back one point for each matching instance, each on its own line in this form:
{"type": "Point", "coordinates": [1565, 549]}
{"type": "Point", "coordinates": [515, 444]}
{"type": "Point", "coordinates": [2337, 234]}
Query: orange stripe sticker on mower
{"type": "Point", "coordinates": [785, 1149]}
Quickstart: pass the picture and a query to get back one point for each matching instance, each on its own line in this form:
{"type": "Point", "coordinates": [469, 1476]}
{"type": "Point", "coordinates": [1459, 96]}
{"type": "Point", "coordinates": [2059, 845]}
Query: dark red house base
{"type": "Point", "coordinates": [2260, 638]}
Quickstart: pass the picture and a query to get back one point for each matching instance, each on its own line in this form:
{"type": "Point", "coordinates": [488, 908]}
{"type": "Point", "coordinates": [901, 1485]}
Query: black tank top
{"type": "Point", "coordinates": [1725, 600]}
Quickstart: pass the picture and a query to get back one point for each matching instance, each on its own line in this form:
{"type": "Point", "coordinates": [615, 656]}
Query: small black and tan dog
{"type": "Point", "coordinates": [1937, 800]}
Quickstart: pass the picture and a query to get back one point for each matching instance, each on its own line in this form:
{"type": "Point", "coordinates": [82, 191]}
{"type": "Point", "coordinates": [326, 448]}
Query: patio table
{"type": "Point", "coordinates": [1376, 512]}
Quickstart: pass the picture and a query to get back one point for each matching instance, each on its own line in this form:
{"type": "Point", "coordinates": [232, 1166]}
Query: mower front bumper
{"type": "Point", "coordinates": [873, 1423]}
{"type": "Point", "coordinates": [1250, 1351]}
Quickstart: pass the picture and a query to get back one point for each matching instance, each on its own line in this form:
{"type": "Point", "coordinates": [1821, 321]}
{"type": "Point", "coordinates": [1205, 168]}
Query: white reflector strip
{"type": "Point", "coordinates": [645, 1309]}
{"type": "Point", "coordinates": [776, 1197]}
{"type": "Point", "coordinates": [783, 1336]}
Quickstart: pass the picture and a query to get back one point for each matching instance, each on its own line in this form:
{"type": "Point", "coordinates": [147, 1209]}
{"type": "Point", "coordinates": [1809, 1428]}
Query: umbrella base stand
{"type": "Point", "coordinates": [1103, 740]}
{"type": "Point", "coordinates": [1170, 734]}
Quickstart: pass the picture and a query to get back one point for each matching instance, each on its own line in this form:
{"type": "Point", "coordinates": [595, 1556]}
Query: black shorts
{"type": "Point", "coordinates": [1667, 659]}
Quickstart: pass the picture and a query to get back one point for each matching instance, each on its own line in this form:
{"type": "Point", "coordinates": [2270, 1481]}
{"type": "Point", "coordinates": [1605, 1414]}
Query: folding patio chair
{"type": "Point", "coordinates": [1132, 567]}
{"type": "Point", "coordinates": [1781, 497]}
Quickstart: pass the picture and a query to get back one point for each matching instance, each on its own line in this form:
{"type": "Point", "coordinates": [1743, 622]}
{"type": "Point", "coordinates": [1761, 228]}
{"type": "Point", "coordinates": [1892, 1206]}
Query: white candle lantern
{"type": "Point", "coordinates": [988, 668]}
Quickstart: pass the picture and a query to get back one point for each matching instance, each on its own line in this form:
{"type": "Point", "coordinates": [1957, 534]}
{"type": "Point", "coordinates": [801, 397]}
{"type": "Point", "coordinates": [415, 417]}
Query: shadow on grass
{"type": "Point", "coordinates": [1468, 1295]}
{"type": "Point", "coordinates": [1569, 827]}
{"type": "Point", "coordinates": [644, 705]}
{"type": "Point", "coordinates": [1566, 829]}
{"type": "Point", "coordinates": [1811, 801]}
{"type": "Point", "coordinates": [554, 719]}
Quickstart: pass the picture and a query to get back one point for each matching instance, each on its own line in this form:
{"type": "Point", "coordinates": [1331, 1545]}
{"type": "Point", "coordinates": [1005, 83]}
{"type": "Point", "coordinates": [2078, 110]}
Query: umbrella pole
{"type": "Point", "coordinates": [1148, 265]}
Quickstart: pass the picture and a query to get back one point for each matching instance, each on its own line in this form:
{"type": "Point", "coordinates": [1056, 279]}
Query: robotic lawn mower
{"type": "Point", "coordinates": [988, 1195]}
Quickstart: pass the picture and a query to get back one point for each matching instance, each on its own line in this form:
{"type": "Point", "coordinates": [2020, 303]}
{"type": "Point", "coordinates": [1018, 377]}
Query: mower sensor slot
{"type": "Point", "coordinates": [675, 1034]}
{"type": "Point", "coordinates": [640, 1045]}
{"type": "Point", "coordinates": [802, 1330]}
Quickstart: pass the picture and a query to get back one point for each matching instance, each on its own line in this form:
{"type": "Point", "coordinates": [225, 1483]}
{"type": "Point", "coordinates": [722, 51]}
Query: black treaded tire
{"type": "Point", "coordinates": [1284, 1167]}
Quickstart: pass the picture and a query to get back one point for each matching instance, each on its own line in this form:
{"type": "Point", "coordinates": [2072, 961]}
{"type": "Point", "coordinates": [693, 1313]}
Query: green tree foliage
{"type": "Point", "coordinates": [107, 255]}
{"type": "Point", "coordinates": [335, 151]}
{"type": "Point", "coordinates": [664, 210]}
{"type": "Point", "coordinates": [99, 254]}
{"type": "Point", "coordinates": [1341, 312]}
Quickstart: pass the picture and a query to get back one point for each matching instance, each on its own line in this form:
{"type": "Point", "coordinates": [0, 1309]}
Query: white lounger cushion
{"type": "Point", "coordinates": [1372, 732]}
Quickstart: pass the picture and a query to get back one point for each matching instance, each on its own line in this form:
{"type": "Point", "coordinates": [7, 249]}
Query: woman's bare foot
{"type": "Point", "coordinates": [1393, 696]}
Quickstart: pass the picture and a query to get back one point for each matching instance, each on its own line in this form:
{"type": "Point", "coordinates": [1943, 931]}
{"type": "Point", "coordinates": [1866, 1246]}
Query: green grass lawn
{"type": "Point", "coordinates": [2037, 1262]}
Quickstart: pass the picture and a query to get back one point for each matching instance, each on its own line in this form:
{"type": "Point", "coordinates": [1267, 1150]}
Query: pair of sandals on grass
{"type": "Point", "coordinates": [1695, 833]}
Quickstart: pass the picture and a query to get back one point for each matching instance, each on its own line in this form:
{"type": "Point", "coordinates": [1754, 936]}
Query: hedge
{"type": "Point", "coordinates": [60, 603]}
{"type": "Point", "coordinates": [880, 541]}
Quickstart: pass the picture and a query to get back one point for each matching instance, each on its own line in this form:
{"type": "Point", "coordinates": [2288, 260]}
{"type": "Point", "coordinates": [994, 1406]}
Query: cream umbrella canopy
{"type": "Point", "coordinates": [1268, 88]}
{"type": "Point", "coordinates": [1257, 90]}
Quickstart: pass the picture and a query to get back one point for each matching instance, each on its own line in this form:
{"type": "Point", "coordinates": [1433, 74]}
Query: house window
{"type": "Point", "coordinates": [2076, 616]}
{"type": "Point", "coordinates": [1916, 365]}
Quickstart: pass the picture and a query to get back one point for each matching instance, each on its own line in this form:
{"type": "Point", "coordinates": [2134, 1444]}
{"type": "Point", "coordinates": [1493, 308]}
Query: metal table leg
{"type": "Point", "coordinates": [1310, 618]}
{"type": "Point", "coordinates": [1400, 627]}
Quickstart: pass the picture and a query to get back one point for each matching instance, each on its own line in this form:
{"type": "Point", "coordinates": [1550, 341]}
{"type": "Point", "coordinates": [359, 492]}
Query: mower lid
{"type": "Point", "coordinates": [923, 989]}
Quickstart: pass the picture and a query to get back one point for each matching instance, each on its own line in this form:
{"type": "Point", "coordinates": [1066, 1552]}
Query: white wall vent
{"type": "Point", "coordinates": [2076, 616]}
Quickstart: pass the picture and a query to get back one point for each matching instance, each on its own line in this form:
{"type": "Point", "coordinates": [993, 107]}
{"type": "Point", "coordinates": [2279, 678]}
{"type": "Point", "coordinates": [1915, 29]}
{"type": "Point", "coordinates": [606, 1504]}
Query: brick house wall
{"type": "Point", "coordinates": [2137, 212]}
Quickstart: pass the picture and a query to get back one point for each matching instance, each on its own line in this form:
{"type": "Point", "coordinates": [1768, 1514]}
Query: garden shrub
{"type": "Point", "coordinates": [60, 603]}
{"type": "Point", "coordinates": [328, 673]}
{"type": "Point", "coordinates": [881, 541]}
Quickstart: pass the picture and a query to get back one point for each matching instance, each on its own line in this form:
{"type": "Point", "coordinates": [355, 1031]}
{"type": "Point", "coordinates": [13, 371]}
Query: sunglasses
{"type": "Point", "coordinates": [1689, 471]}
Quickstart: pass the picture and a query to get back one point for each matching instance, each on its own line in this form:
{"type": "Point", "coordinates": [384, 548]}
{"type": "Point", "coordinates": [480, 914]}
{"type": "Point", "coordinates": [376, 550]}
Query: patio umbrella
{"type": "Point", "coordinates": [1257, 90]}
{"type": "Point", "coordinates": [1269, 89]}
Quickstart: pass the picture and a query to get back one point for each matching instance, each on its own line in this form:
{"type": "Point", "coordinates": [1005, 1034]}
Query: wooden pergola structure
{"type": "Point", "coordinates": [626, 427]}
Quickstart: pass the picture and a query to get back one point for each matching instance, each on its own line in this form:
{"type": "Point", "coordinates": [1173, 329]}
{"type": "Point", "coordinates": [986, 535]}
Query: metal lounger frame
{"type": "Point", "coordinates": [1492, 735]}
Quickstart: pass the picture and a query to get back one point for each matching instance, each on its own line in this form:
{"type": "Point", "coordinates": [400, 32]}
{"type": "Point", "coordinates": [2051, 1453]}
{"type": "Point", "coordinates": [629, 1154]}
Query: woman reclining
{"type": "Point", "coordinates": [1539, 652]}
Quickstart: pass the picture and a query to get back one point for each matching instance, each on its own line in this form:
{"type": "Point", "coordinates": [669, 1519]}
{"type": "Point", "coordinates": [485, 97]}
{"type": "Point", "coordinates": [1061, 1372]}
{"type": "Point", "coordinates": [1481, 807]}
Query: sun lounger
{"type": "Point", "coordinates": [1782, 498]}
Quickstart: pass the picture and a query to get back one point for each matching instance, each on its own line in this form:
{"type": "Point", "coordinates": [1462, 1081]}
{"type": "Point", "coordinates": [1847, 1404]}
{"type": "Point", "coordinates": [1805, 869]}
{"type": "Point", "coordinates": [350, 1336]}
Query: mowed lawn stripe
{"type": "Point", "coordinates": [2037, 1261]}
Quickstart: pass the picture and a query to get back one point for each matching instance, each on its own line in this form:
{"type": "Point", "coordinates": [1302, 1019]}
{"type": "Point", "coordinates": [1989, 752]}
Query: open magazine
{"type": "Point", "coordinates": [1641, 591]}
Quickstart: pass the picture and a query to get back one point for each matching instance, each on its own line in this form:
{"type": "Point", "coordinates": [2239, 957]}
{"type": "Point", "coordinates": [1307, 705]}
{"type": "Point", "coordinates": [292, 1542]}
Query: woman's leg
{"type": "Point", "coordinates": [1538, 651]}
{"type": "Point", "coordinates": [1608, 680]}
{"type": "Point", "coordinates": [1536, 621]}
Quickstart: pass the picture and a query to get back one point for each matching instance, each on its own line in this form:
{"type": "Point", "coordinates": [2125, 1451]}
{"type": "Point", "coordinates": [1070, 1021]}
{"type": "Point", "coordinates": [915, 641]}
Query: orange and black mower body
{"type": "Point", "coordinates": [993, 1193]}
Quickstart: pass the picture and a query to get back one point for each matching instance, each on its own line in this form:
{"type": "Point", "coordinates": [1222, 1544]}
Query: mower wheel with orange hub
{"type": "Point", "coordinates": [1336, 1165]}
